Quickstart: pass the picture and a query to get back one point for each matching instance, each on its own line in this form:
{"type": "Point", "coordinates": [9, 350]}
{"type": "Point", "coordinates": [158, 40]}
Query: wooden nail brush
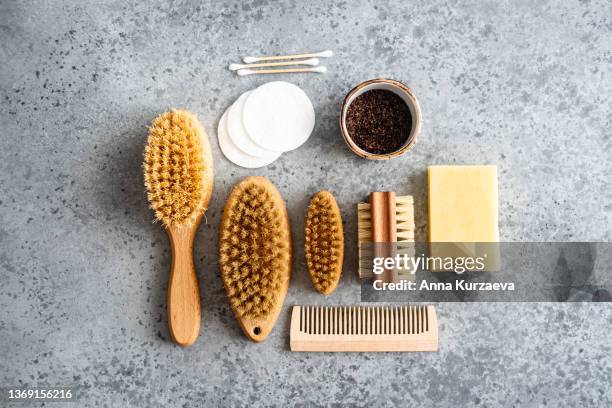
{"type": "Point", "coordinates": [385, 219]}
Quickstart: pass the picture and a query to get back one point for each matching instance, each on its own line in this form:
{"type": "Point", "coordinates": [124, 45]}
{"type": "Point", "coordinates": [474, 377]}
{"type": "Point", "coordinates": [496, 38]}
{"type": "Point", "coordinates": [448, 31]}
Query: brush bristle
{"type": "Point", "coordinates": [324, 242]}
{"type": "Point", "coordinates": [174, 166]}
{"type": "Point", "coordinates": [255, 247]}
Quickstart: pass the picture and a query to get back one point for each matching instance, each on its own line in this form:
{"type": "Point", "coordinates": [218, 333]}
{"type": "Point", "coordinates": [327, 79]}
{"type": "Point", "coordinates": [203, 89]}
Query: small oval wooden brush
{"type": "Point", "coordinates": [255, 255]}
{"type": "Point", "coordinates": [324, 242]}
{"type": "Point", "coordinates": [178, 173]}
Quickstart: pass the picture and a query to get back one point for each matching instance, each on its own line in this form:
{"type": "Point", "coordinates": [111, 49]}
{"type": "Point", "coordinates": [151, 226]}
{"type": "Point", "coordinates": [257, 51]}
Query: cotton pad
{"type": "Point", "coordinates": [278, 116]}
{"type": "Point", "coordinates": [238, 135]}
{"type": "Point", "coordinates": [234, 154]}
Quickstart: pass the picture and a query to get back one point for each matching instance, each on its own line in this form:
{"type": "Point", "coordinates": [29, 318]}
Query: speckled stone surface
{"type": "Point", "coordinates": [525, 85]}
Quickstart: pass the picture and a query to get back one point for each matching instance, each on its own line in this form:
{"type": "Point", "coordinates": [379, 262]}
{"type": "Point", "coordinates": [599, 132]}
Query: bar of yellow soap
{"type": "Point", "coordinates": [463, 208]}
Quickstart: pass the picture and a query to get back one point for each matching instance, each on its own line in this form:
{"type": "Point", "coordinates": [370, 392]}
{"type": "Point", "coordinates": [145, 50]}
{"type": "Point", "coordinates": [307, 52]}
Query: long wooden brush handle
{"type": "Point", "coordinates": [183, 290]}
{"type": "Point", "coordinates": [384, 228]}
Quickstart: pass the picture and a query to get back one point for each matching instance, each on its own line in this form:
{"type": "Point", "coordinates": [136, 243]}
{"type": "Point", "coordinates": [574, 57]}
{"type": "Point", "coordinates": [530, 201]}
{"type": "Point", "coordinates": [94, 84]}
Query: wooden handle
{"type": "Point", "coordinates": [384, 228]}
{"type": "Point", "coordinates": [183, 289]}
{"type": "Point", "coordinates": [383, 216]}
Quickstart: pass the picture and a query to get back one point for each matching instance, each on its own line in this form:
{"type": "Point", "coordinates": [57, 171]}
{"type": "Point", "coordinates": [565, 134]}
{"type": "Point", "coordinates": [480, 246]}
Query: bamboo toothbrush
{"type": "Point", "coordinates": [178, 172]}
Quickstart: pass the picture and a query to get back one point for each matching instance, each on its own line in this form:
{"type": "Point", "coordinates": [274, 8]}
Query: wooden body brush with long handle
{"type": "Point", "coordinates": [178, 172]}
{"type": "Point", "coordinates": [255, 255]}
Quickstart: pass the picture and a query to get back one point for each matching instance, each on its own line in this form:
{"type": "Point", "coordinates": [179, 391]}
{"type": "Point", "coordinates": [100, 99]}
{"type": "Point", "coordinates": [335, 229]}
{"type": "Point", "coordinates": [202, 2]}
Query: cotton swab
{"type": "Point", "coordinates": [322, 54]}
{"type": "Point", "coordinates": [243, 72]}
{"type": "Point", "coordinates": [311, 61]}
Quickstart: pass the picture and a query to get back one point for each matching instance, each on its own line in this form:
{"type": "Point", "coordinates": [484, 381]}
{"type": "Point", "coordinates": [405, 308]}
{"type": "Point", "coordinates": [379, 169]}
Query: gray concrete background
{"type": "Point", "coordinates": [521, 84]}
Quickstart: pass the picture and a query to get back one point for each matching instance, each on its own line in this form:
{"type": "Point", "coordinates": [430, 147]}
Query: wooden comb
{"type": "Point", "coordinates": [364, 328]}
{"type": "Point", "coordinates": [386, 218]}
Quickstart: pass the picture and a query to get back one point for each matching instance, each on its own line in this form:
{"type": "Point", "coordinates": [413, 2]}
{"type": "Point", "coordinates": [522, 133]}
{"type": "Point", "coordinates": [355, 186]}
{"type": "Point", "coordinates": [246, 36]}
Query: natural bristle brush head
{"type": "Point", "coordinates": [255, 254]}
{"type": "Point", "coordinates": [324, 242]}
{"type": "Point", "coordinates": [177, 175]}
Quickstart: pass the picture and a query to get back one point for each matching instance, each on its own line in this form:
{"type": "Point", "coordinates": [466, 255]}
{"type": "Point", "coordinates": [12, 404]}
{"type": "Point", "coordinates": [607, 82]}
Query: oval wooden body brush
{"type": "Point", "coordinates": [255, 255]}
{"type": "Point", "coordinates": [178, 173]}
{"type": "Point", "coordinates": [324, 242]}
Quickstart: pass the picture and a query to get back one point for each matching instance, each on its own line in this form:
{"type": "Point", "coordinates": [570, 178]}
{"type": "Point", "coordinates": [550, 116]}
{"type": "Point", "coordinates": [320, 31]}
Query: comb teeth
{"type": "Point", "coordinates": [364, 328]}
{"type": "Point", "coordinates": [363, 320]}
